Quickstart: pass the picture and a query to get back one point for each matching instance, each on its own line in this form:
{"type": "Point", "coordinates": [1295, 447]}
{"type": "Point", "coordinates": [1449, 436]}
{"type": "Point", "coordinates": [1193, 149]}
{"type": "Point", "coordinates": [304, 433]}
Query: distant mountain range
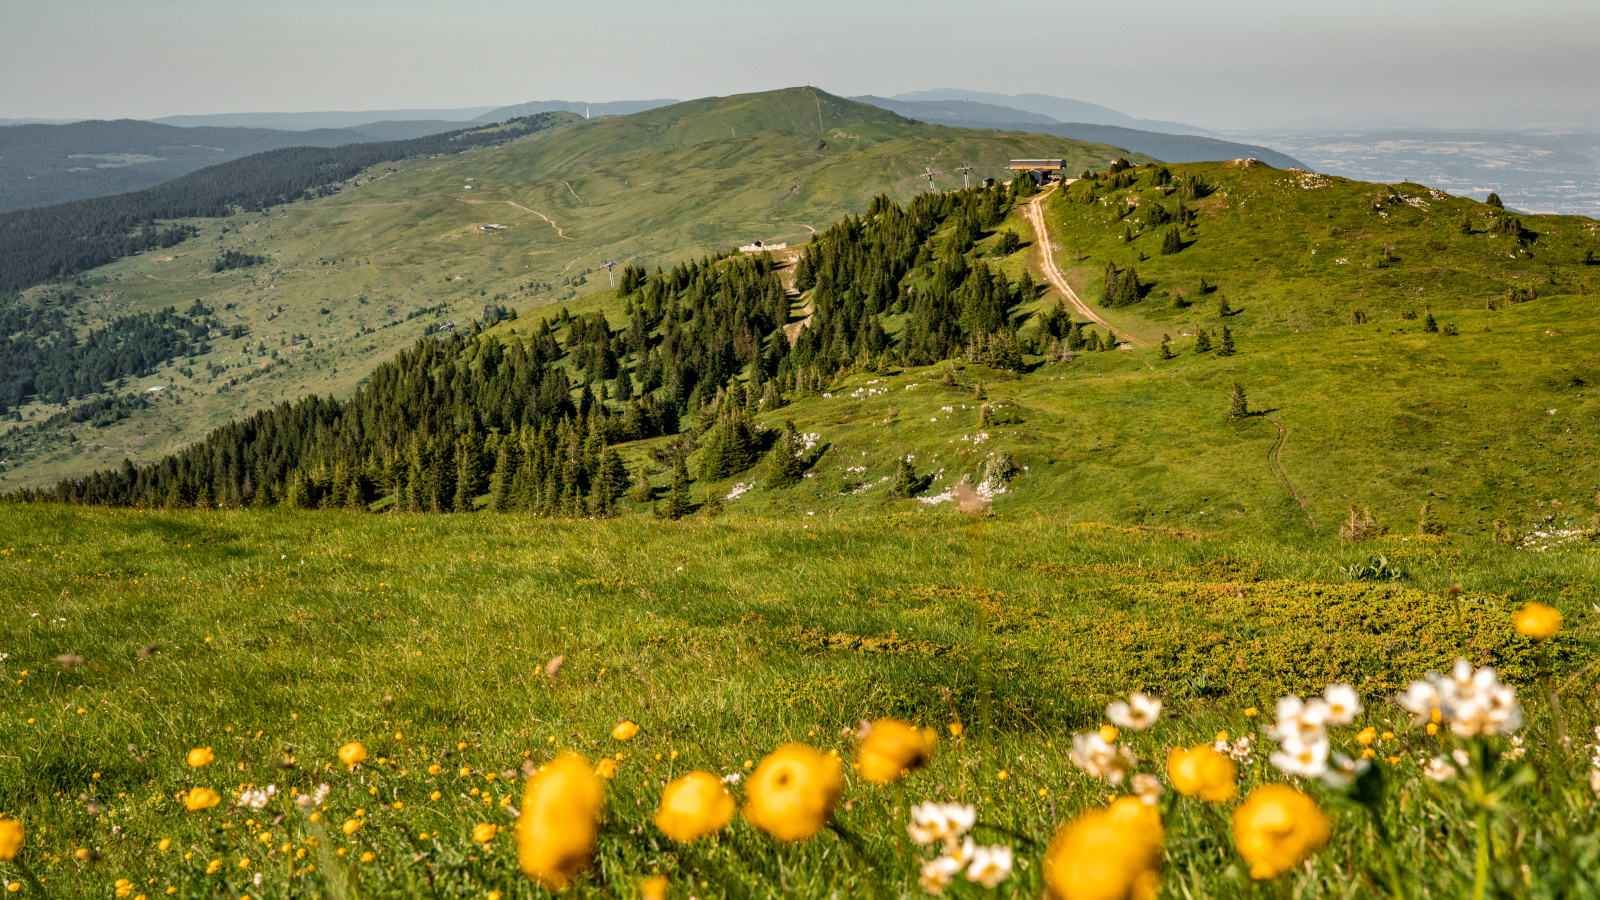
{"type": "Point", "coordinates": [1169, 146]}
{"type": "Point", "coordinates": [1054, 109]}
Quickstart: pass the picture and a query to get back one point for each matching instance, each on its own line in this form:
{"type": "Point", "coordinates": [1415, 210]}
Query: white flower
{"type": "Point", "coordinates": [937, 872]}
{"type": "Point", "coordinates": [1461, 757]}
{"type": "Point", "coordinates": [1111, 762]}
{"type": "Point", "coordinates": [732, 779]}
{"type": "Point", "coordinates": [940, 822]}
{"type": "Point", "coordinates": [1439, 769]}
{"type": "Point", "coordinates": [990, 865]}
{"type": "Point", "coordinates": [315, 798]}
{"type": "Point", "coordinates": [1300, 720]}
{"type": "Point", "coordinates": [1517, 749]}
{"type": "Point", "coordinates": [1422, 698]}
{"type": "Point", "coordinates": [1140, 712]}
{"type": "Point", "coordinates": [1594, 780]}
{"type": "Point", "coordinates": [1241, 750]}
{"type": "Point", "coordinates": [257, 799]}
{"type": "Point", "coordinates": [1344, 771]}
{"type": "Point", "coordinates": [1307, 758]}
{"type": "Point", "coordinates": [1344, 704]}
{"type": "Point", "coordinates": [1147, 788]}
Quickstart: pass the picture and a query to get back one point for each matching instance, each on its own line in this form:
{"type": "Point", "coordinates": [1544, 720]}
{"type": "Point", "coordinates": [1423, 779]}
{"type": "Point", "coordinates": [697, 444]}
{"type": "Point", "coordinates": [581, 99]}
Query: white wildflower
{"type": "Point", "coordinates": [1517, 749]}
{"type": "Point", "coordinates": [1147, 788]}
{"type": "Point", "coordinates": [1439, 769]}
{"type": "Point", "coordinates": [1140, 712]}
{"type": "Point", "coordinates": [258, 799]}
{"type": "Point", "coordinates": [937, 872]}
{"type": "Point", "coordinates": [1343, 771]}
{"type": "Point", "coordinates": [1298, 757]}
{"type": "Point", "coordinates": [1241, 750]}
{"type": "Point", "coordinates": [1594, 780]}
{"type": "Point", "coordinates": [732, 779]}
{"type": "Point", "coordinates": [1111, 762]}
{"type": "Point", "coordinates": [946, 822]}
{"type": "Point", "coordinates": [1300, 720]}
{"type": "Point", "coordinates": [1461, 757]}
{"type": "Point", "coordinates": [1344, 704]}
{"type": "Point", "coordinates": [1422, 699]}
{"type": "Point", "coordinates": [990, 865]}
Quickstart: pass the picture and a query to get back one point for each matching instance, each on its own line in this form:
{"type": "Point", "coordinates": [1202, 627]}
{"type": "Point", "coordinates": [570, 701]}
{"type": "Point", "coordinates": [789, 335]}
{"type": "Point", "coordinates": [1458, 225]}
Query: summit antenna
{"type": "Point", "coordinates": [607, 266]}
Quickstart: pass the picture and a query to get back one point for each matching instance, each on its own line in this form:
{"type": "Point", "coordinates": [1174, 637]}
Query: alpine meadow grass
{"type": "Point", "coordinates": [295, 704]}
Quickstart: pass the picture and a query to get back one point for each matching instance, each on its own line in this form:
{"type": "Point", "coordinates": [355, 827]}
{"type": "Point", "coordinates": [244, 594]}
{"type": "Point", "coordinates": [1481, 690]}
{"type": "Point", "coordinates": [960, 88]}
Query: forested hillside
{"type": "Point", "coordinates": [38, 245]}
{"type": "Point", "coordinates": [528, 415]}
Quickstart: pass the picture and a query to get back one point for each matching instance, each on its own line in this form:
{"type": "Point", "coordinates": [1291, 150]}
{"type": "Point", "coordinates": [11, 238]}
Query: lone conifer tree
{"type": "Point", "coordinates": [1223, 309]}
{"type": "Point", "coordinates": [1238, 406]}
{"type": "Point", "coordinates": [1429, 324]}
{"type": "Point", "coordinates": [1202, 340]}
{"type": "Point", "coordinates": [1226, 347]}
{"type": "Point", "coordinates": [1166, 346]}
{"type": "Point", "coordinates": [678, 495]}
{"type": "Point", "coordinates": [906, 483]}
{"type": "Point", "coordinates": [784, 465]}
{"type": "Point", "coordinates": [642, 491]}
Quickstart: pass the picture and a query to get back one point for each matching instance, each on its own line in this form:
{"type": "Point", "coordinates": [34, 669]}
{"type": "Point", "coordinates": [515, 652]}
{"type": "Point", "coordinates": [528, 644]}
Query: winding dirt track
{"type": "Point", "coordinates": [1277, 463]}
{"type": "Point", "coordinates": [545, 217]}
{"type": "Point", "coordinates": [1052, 274]}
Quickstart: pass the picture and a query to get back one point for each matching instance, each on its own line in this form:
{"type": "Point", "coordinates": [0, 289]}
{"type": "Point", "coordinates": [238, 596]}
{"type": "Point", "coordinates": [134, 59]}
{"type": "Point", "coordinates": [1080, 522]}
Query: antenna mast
{"type": "Point", "coordinates": [607, 266]}
{"type": "Point", "coordinates": [964, 169]}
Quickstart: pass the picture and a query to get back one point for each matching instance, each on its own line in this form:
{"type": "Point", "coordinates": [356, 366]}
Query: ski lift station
{"type": "Point", "coordinates": [1040, 170]}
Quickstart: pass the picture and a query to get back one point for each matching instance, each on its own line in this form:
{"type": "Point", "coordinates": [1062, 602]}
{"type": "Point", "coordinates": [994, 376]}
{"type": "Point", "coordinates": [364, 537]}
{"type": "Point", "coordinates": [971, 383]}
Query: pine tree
{"type": "Point", "coordinates": [1238, 406]}
{"type": "Point", "coordinates": [1170, 242]}
{"type": "Point", "coordinates": [784, 465]}
{"type": "Point", "coordinates": [906, 483]}
{"type": "Point", "coordinates": [1494, 201]}
{"type": "Point", "coordinates": [1166, 346]}
{"type": "Point", "coordinates": [712, 508]}
{"type": "Point", "coordinates": [1429, 324]}
{"type": "Point", "coordinates": [1223, 309]}
{"type": "Point", "coordinates": [1202, 340]}
{"type": "Point", "coordinates": [500, 481]}
{"type": "Point", "coordinates": [1225, 348]}
{"type": "Point", "coordinates": [468, 473]}
{"type": "Point", "coordinates": [678, 496]}
{"type": "Point", "coordinates": [1466, 222]}
{"type": "Point", "coordinates": [610, 480]}
{"type": "Point", "coordinates": [642, 492]}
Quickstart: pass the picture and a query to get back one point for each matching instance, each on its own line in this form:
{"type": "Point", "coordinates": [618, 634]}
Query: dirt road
{"type": "Point", "coordinates": [1041, 231]}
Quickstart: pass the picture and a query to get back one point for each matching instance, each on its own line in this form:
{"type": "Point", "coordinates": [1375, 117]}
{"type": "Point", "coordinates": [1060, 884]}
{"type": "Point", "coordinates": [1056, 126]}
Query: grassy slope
{"type": "Point", "coordinates": [286, 634]}
{"type": "Point", "coordinates": [647, 189]}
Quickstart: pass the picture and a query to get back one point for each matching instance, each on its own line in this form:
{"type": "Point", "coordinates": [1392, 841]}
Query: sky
{"type": "Point", "coordinates": [1217, 64]}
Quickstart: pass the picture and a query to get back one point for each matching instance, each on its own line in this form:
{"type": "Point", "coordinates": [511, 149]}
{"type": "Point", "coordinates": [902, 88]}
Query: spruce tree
{"type": "Point", "coordinates": [712, 508]}
{"type": "Point", "coordinates": [1166, 346]}
{"type": "Point", "coordinates": [610, 480]}
{"type": "Point", "coordinates": [784, 465]}
{"type": "Point", "coordinates": [1202, 340]}
{"type": "Point", "coordinates": [500, 481]}
{"type": "Point", "coordinates": [642, 492]}
{"type": "Point", "coordinates": [1494, 201]}
{"type": "Point", "coordinates": [678, 504]}
{"type": "Point", "coordinates": [1429, 324]}
{"type": "Point", "coordinates": [1223, 309]}
{"type": "Point", "coordinates": [1238, 406]}
{"type": "Point", "coordinates": [906, 483]}
{"type": "Point", "coordinates": [1226, 347]}
{"type": "Point", "coordinates": [1170, 242]}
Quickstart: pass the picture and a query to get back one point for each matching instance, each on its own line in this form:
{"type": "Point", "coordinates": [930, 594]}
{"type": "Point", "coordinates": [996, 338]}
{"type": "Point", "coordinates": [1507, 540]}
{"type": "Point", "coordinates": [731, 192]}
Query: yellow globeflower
{"type": "Point", "coordinates": [1275, 828]}
{"type": "Point", "coordinates": [483, 833]}
{"type": "Point", "coordinates": [10, 839]}
{"type": "Point", "coordinates": [350, 826]}
{"type": "Point", "coordinates": [1538, 621]}
{"type": "Point", "coordinates": [625, 730]}
{"type": "Point", "coordinates": [200, 756]}
{"type": "Point", "coordinates": [560, 818]}
{"type": "Point", "coordinates": [892, 749]}
{"type": "Point", "coordinates": [201, 798]}
{"type": "Point", "coordinates": [1106, 854]}
{"type": "Point", "coordinates": [693, 807]}
{"type": "Point", "coordinates": [1366, 736]}
{"type": "Point", "coordinates": [1203, 772]}
{"type": "Point", "coordinates": [606, 768]}
{"type": "Point", "coordinates": [352, 753]}
{"type": "Point", "coordinates": [654, 888]}
{"type": "Point", "coordinates": [792, 793]}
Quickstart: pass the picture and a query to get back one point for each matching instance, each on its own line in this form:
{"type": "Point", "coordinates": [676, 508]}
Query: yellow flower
{"type": "Point", "coordinates": [1250, 711]}
{"type": "Point", "coordinates": [560, 817]}
{"type": "Point", "coordinates": [694, 806]}
{"type": "Point", "coordinates": [1106, 854]}
{"type": "Point", "coordinates": [435, 769]}
{"type": "Point", "coordinates": [200, 756]}
{"type": "Point", "coordinates": [1366, 736]}
{"type": "Point", "coordinates": [350, 826]}
{"type": "Point", "coordinates": [625, 730]}
{"type": "Point", "coordinates": [1537, 621]}
{"type": "Point", "coordinates": [435, 795]}
{"type": "Point", "coordinates": [368, 856]}
{"type": "Point", "coordinates": [654, 888]}
{"type": "Point", "coordinates": [606, 768]}
{"type": "Point", "coordinates": [10, 839]}
{"type": "Point", "coordinates": [1204, 773]}
{"type": "Point", "coordinates": [792, 793]}
{"type": "Point", "coordinates": [1108, 733]}
{"type": "Point", "coordinates": [892, 749]}
{"type": "Point", "coordinates": [164, 844]}
{"type": "Point", "coordinates": [352, 753]}
{"type": "Point", "coordinates": [201, 798]}
{"type": "Point", "coordinates": [1275, 828]}
{"type": "Point", "coordinates": [955, 729]}
{"type": "Point", "coordinates": [483, 833]}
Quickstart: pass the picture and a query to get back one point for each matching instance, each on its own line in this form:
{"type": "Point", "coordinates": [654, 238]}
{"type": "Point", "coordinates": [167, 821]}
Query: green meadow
{"type": "Point", "coordinates": [483, 645]}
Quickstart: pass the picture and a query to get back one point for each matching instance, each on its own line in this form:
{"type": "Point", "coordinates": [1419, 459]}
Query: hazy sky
{"type": "Point", "coordinates": [1220, 63]}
